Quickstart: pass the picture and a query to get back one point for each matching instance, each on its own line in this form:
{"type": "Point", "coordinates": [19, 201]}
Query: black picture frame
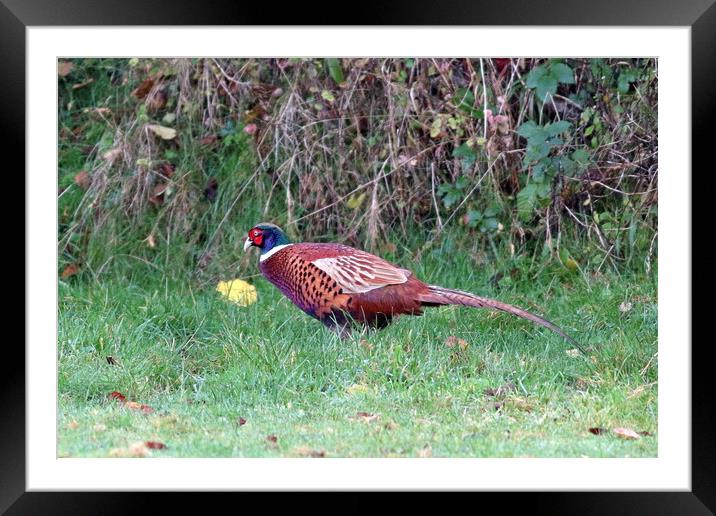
{"type": "Point", "coordinates": [700, 15]}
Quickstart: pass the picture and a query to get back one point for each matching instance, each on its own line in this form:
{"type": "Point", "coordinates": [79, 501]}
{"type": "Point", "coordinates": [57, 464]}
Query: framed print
{"type": "Point", "coordinates": [217, 186]}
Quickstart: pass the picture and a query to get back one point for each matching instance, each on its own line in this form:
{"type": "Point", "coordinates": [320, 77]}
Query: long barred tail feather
{"type": "Point", "coordinates": [445, 296]}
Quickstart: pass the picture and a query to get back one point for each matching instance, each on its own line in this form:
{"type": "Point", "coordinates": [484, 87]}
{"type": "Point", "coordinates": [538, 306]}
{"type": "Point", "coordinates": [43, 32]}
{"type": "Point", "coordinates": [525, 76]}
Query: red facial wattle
{"type": "Point", "coordinates": [257, 237]}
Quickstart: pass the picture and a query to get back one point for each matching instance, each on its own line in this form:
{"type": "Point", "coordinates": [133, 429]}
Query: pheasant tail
{"type": "Point", "coordinates": [444, 296]}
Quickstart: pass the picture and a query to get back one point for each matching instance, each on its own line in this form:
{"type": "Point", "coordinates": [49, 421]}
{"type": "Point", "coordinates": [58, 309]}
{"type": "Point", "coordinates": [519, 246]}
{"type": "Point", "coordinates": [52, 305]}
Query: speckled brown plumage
{"type": "Point", "coordinates": [310, 288]}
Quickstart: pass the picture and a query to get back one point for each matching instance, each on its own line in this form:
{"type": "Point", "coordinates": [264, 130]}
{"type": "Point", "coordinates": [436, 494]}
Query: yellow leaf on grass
{"type": "Point", "coordinates": [571, 264]}
{"type": "Point", "coordinates": [354, 201]}
{"type": "Point", "coordinates": [357, 388]}
{"type": "Point", "coordinates": [165, 133]}
{"type": "Point", "coordinates": [238, 291]}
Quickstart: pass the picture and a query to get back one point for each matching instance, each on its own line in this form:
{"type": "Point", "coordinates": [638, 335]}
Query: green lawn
{"type": "Point", "coordinates": [223, 378]}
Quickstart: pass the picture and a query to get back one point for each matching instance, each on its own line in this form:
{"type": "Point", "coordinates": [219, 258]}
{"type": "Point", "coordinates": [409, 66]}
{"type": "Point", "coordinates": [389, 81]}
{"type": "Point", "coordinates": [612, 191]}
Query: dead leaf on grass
{"type": "Point", "coordinates": [116, 395]}
{"type": "Point", "coordinates": [138, 449]}
{"type": "Point", "coordinates": [366, 345]}
{"type": "Point", "coordinates": [426, 452]}
{"type": "Point", "coordinates": [70, 270]}
{"type": "Point", "coordinates": [82, 179]}
{"type": "Point", "coordinates": [625, 307]}
{"type": "Point", "coordinates": [144, 87]}
{"type": "Point", "coordinates": [597, 430]}
{"type": "Point", "coordinates": [366, 417]}
{"type": "Point", "coordinates": [305, 451]}
{"type": "Point", "coordinates": [112, 154]}
{"type": "Point", "coordinates": [64, 68]}
{"type": "Point", "coordinates": [501, 390]}
{"type": "Point", "coordinates": [453, 341]}
{"type": "Point", "coordinates": [157, 195]}
{"type": "Point", "coordinates": [209, 140]}
{"type": "Point", "coordinates": [165, 133]}
{"type": "Point", "coordinates": [639, 390]}
{"type": "Point", "coordinates": [133, 405]}
{"type": "Point", "coordinates": [151, 242]}
{"type": "Point", "coordinates": [519, 403]}
{"type": "Point", "coordinates": [626, 433]}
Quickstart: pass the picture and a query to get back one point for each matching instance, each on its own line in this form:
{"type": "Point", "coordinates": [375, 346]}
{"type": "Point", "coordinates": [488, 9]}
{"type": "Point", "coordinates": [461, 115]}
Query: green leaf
{"type": "Point", "coordinates": [538, 172]}
{"type": "Point", "coordinates": [492, 210]}
{"type": "Point", "coordinates": [556, 128]}
{"type": "Point", "coordinates": [450, 199]}
{"type": "Point", "coordinates": [543, 191]}
{"type": "Point", "coordinates": [536, 152]}
{"type": "Point", "coordinates": [464, 97]}
{"type": "Point", "coordinates": [563, 73]}
{"type": "Point", "coordinates": [465, 100]}
{"type": "Point", "coordinates": [466, 153]}
{"type": "Point", "coordinates": [546, 86]}
{"type": "Point", "coordinates": [532, 131]}
{"type": "Point", "coordinates": [535, 75]}
{"type": "Point", "coordinates": [489, 224]}
{"type": "Point", "coordinates": [436, 127]}
{"type": "Point", "coordinates": [335, 70]}
{"type": "Point", "coordinates": [568, 166]}
{"type": "Point", "coordinates": [626, 77]}
{"type": "Point", "coordinates": [526, 200]}
{"type": "Point", "coordinates": [473, 217]}
{"type": "Point", "coordinates": [581, 156]}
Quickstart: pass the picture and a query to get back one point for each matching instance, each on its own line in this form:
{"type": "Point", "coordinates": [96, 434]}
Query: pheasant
{"type": "Point", "coordinates": [344, 287]}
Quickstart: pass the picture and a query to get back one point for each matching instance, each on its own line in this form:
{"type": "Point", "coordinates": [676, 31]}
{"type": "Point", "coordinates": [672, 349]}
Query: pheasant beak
{"type": "Point", "coordinates": [248, 244]}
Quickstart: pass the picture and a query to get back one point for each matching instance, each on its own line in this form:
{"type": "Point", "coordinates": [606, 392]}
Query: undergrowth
{"type": "Point", "coordinates": [169, 161]}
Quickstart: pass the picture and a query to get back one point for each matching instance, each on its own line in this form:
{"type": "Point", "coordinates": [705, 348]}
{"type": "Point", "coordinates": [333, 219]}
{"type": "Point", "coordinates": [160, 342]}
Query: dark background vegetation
{"type": "Point", "coordinates": [166, 163]}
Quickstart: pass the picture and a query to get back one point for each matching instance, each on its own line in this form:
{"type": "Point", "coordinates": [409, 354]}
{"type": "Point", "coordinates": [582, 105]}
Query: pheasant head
{"type": "Point", "coordinates": [267, 237]}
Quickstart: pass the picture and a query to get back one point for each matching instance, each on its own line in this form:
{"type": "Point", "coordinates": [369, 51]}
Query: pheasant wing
{"type": "Point", "coordinates": [360, 272]}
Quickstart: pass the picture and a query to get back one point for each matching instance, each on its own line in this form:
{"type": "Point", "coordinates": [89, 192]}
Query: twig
{"type": "Point", "coordinates": [435, 201]}
{"type": "Point", "coordinates": [484, 100]}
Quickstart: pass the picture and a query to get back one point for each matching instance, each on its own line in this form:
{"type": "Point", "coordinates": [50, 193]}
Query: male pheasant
{"type": "Point", "coordinates": [344, 287]}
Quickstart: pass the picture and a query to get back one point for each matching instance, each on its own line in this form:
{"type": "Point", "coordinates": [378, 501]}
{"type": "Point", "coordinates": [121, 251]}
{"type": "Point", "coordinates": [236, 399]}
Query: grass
{"type": "Point", "coordinates": [204, 365]}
